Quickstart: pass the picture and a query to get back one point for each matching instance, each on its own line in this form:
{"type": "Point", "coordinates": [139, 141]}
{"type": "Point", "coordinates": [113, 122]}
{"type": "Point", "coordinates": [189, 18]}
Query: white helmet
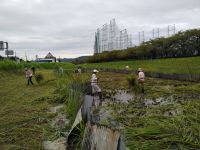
{"type": "Point", "coordinates": [139, 69]}
{"type": "Point", "coordinates": [95, 71]}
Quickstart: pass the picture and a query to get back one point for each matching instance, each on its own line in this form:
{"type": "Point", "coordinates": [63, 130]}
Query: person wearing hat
{"type": "Point", "coordinates": [28, 74]}
{"type": "Point", "coordinates": [141, 78]}
{"type": "Point", "coordinates": [95, 87]}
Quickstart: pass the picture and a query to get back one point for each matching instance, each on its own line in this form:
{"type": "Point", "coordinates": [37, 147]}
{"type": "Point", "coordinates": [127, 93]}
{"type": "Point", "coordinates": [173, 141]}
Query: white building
{"type": "Point", "coordinates": [110, 37]}
{"type": "Point", "coordinates": [48, 58]}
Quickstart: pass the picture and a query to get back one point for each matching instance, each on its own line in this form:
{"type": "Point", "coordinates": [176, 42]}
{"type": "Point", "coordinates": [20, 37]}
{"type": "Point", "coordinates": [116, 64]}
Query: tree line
{"type": "Point", "coordinates": [183, 44]}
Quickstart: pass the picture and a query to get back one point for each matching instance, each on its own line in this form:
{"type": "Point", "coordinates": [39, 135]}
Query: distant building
{"type": "Point", "coordinates": [110, 37]}
{"type": "Point", "coordinates": [48, 58]}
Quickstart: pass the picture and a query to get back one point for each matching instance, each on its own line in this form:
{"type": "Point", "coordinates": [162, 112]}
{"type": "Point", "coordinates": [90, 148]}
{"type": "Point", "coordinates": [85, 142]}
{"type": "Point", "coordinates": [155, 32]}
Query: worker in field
{"type": "Point", "coordinates": [29, 75]}
{"type": "Point", "coordinates": [127, 67]}
{"type": "Point", "coordinates": [61, 70]}
{"type": "Point", "coordinates": [95, 87]}
{"type": "Point", "coordinates": [79, 70]}
{"type": "Point", "coordinates": [141, 78]}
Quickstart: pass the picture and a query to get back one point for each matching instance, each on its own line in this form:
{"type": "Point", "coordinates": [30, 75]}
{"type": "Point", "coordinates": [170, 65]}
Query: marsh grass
{"type": "Point", "coordinates": [80, 136]}
{"type": "Point", "coordinates": [153, 127]}
{"type": "Point", "coordinates": [76, 88]}
{"type": "Point", "coordinates": [147, 127]}
{"type": "Point", "coordinates": [133, 83]}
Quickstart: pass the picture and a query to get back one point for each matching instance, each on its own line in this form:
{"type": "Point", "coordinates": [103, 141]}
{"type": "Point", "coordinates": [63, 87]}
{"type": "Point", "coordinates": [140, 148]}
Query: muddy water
{"type": "Point", "coordinates": [159, 101]}
{"type": "Point", "coordinates": [56, 109]}
{"type": "Point", "coordinates": [59, 144]}
{"type": "Point", "coordinates": [103, 115]}
{"type": "Point", "coordinates": [122, 96]}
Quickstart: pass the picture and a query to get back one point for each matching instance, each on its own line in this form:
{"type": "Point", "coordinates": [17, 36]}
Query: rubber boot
{"type": "Point", "coordinates": [93, 101]}
{"type": "Point", "coordinates": [143, 90]}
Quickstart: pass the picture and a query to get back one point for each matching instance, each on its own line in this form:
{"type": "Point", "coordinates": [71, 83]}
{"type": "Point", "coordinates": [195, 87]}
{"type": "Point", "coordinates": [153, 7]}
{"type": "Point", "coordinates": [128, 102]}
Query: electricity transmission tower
{"type": "Point", "coordinates": [171, 28]}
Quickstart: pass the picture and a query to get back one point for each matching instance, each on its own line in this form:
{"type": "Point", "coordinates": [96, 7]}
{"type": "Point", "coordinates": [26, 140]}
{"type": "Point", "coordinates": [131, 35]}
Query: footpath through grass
{"type": "Point", "coordinates": [189, 65]}
{"type": "Point", "coordinates": [23, 116]}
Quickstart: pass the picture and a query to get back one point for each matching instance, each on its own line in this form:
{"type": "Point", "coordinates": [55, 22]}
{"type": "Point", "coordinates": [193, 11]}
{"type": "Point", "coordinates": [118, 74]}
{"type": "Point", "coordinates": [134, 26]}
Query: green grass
{"type": "Point", "coordinates": [74, 88]}
{"type": "Point", "coordinates": [9, 65]}
{"type": "Point", "coordinates": [25, 120]}
{"type": "Point", "coordinates": [189, 65]}
{"type": "Point", "coordinates": [24, 117]}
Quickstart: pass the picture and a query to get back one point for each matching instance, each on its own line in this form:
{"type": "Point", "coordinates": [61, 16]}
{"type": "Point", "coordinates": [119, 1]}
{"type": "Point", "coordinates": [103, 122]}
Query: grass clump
{"type": "Point", "coordinates": [77, 87]}
{"type": "Point", "coordinates": [75, 143]}
{"type": "Point", "coordinates": [133, 83]}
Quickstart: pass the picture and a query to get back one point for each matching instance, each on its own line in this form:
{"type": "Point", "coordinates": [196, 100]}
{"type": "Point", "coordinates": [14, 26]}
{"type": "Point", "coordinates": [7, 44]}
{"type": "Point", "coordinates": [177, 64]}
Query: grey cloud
{"type": "Point", "coordinates": [67, 27]}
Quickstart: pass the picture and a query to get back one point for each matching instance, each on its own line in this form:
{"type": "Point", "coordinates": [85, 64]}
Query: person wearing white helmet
{"type": "Point", "coordinates": [127, 67]}
{"type": "Point", "coordinates": [141, 78]}
{"type": "Point", "coordinates": [95, 87]}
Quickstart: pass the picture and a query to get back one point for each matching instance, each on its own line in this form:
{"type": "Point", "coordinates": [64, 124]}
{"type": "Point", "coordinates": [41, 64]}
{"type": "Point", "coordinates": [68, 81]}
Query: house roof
{"type": "Point", "coordinates": [49, 55]}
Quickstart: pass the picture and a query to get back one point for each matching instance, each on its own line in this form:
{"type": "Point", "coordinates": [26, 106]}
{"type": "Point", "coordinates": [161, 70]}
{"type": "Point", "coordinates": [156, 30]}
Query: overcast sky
{"type": "Point", "coordinates": [66, 27]}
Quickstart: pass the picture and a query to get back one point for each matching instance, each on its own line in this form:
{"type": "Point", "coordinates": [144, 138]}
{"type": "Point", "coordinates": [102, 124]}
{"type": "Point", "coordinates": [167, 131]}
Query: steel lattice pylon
{"type": "Point", "coordinates": [110, 37]}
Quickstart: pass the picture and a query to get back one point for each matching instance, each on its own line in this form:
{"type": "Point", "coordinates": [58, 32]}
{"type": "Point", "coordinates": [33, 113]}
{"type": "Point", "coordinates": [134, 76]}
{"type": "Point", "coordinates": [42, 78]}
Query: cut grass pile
{"type": "Point", "coordinates": [188, 65]}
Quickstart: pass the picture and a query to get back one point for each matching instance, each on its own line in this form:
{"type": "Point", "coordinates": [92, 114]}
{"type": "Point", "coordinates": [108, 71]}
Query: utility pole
{"type": "Point", "coordinates": [26, 57]}
{"type": "Point", "coordinates": [6, 48]}
{"type": "Point", "coordinates": [153, 33]}
{"type": "Point", "coordinates": [171, 29]}
{"type": "Point", "coordinates": [143, 40]}
{"type": "Point", "coordinates": [120, 40]}
{"type": "Point", "coordinates": [139, 37]}
{"type": "Point", "coordinates": [174, 29]}
{"type": "Point", "coordinates": [15, 56]}
{"type": "Point", "coordinates": [168, 30]}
